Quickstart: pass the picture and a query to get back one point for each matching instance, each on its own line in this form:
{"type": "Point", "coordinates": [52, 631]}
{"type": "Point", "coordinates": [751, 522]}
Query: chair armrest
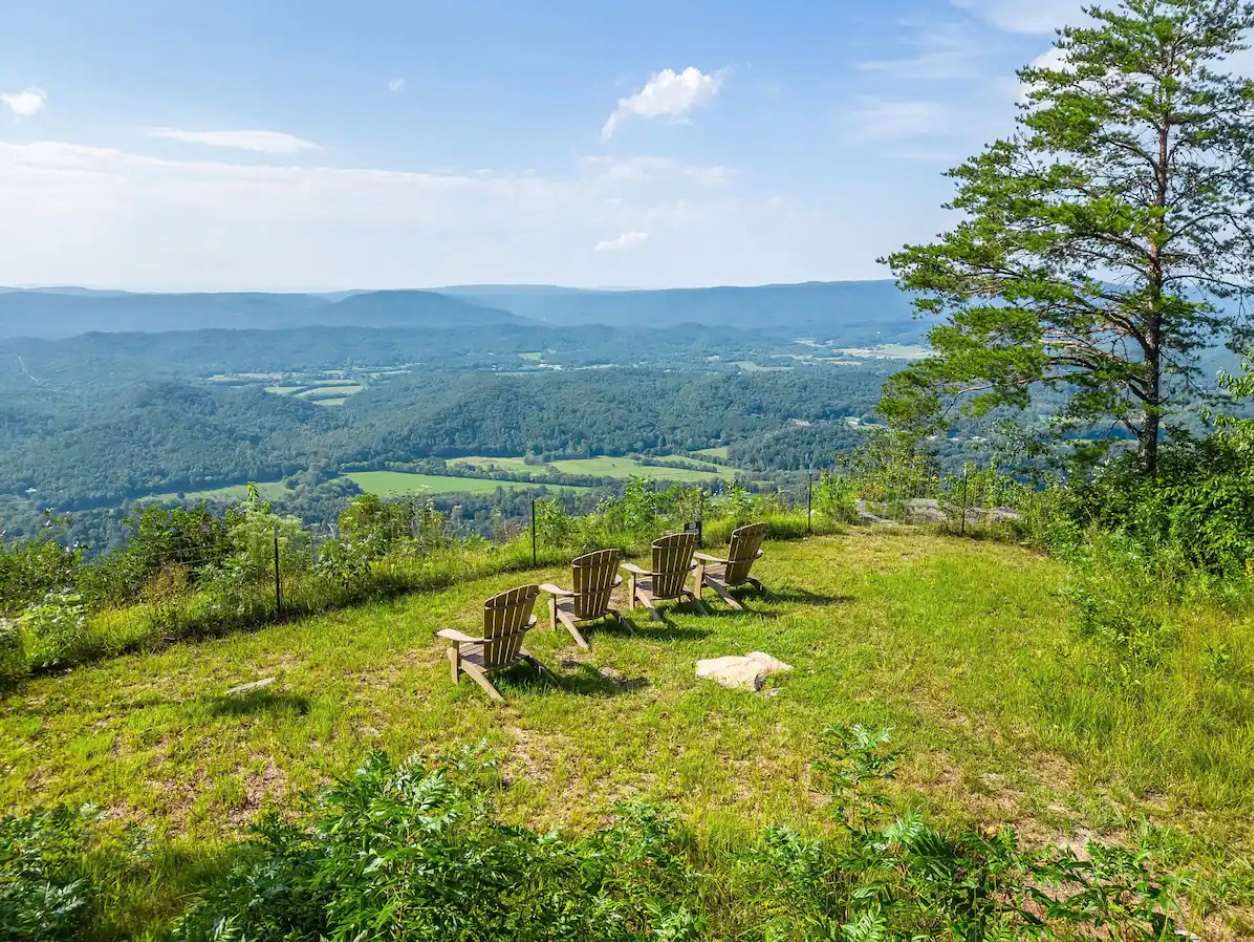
{"type": "Point", "coordinates": [555, 589]}
{"type": "Point", "coordinates": [532, 622]}
{"type": "Point", "coordinates": [636, 570]}
{"type": "Point", "coordinates": [705, 558]}
{"type": "Point", "coordinates": [452, 634]}
{"type": "Point", "coordinates": [618, 580]}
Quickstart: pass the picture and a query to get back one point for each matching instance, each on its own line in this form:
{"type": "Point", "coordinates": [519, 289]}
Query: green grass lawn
{"type": "Point", "coordinates": [401, 483]}
{"type": "Point", "coordinates": [603, 466]}
{"type": "Point", "coordinates": [270, 490]}
{"type": "Point", "coordinates": [1003, 715]}
{"type": "Point", "coordinates": [607, 467]}
{"type": "Point", "coordinates": [331, 390]}
{"type": "Point", "coordinates": [722, 451]}
{"type": "Point", "coordinates": [503, 464]}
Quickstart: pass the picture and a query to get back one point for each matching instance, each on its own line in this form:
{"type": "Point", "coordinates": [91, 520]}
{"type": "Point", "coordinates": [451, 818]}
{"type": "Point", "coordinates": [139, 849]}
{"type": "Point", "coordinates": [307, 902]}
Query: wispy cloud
{"type": "Point", "coordinates": [642, 169]}
{"type": "Point", "coordinates": [877, 120]}
{"type": "Point", "coordinates": [622, 243]}
{"type": "Point", "coordinates": [262, 142]}
{"type": "Point", "coordinates": [1025, 16]}
{"type": "Point", "coordinates": [668, 94]}
{"type": "Point", "coordinates": [27, 102]}
{"type": "Point", "coordinates": [99, 215]}
{"type": "Point", "coordinates": [935, 51]}
{"type": "Point", "coordinates": [396, 85]}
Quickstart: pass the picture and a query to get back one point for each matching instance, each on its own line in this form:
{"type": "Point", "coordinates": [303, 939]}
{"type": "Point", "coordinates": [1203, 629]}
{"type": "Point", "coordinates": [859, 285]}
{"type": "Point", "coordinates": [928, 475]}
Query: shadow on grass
{"type": "Point", "coordinates": [260, 701]}
{"type": "Point", "coordinates": [800, 597]}
{"type": "Point", "coordinates": [575, 677]}
{"type": "Point", "coordinates": [666, 630]}
{"type": "Point", "coordinates": [588, 681]}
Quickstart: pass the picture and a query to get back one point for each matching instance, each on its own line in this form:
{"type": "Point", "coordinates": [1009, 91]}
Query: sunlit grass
{"type": "Point", "coordinates": [1003, 715]}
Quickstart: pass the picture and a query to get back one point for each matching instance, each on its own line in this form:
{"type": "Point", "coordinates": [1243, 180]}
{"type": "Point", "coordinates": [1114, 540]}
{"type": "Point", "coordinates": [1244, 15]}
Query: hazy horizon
{"type": "Point", "coordinates": [309, 147]}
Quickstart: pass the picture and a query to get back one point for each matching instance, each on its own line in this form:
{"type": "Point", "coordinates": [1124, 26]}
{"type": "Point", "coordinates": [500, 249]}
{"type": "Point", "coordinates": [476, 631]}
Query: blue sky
{"type": "Point", "coordinates": [329, 145]}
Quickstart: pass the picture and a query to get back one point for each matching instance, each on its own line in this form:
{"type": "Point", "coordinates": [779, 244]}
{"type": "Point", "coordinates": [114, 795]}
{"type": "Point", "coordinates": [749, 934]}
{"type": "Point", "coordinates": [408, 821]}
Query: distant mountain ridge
{"type": "Point", "coordinates": [807, 306]}
{"type": "Point", "coordinates": [854, 311]}
{"type": "Point", "coordinates": [57, 313]}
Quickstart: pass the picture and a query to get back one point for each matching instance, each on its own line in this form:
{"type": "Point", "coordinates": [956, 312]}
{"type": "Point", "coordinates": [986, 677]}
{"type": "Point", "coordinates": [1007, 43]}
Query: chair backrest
{"type": "Point", "coordinates": [594, 581]}
{"type": "Point", "coordinates": [743, 550]}
{"type": "Point", "coordinates": [505, 620]}
{"type": "Point", "coordinates": [672, 561]}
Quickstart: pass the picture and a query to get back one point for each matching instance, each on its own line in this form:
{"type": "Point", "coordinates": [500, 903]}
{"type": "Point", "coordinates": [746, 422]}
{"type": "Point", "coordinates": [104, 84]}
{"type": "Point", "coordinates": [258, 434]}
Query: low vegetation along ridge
{"type": "Point", "coordinates": [967, 723]}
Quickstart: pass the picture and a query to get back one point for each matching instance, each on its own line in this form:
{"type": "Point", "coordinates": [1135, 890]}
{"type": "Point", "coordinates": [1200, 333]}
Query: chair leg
{"type": "Point", "coordinates": [618, 617]}
{"type": "Point", "coordinates": [725, 595]}
{"type": "Point", "coordinates": [536, 663]}
{"type": "Point", "coordinates": [455, 659]}
{"type": "Point", "coordinates": [573, 629]}
{"type": "Point", "coordinates": [553, 613]}
{"type": "Point", "coordinates": [479, 677]}
{"type": "Point", "coordinates": [646, 599]}
{"type": "Point", "coordinates": [696, 601]}
{"type": "Point", "coordinates": [756, 584]}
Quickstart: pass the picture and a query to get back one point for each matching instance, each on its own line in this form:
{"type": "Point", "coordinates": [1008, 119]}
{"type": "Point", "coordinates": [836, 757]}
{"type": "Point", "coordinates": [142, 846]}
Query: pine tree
{"type": "Point", "coordinates": [1108, 239]}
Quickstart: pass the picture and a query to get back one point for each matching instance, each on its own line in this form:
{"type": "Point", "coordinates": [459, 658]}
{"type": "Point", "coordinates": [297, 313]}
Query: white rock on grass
{"type": "Point", "coordinates": [741, 673]}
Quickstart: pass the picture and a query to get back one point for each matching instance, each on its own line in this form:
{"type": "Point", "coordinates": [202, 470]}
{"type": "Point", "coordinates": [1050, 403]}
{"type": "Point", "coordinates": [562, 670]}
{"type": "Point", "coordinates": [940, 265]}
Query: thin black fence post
{"type": "Point", "coordinates": [809, 502]}
{"type": "Point", "coordinates": [534, 558]}
{"type": "Point", "coordinates": [963, 525]}
{"type": "Point", "coordinates": [278, 582]}
{"type": "Point", "coordinates": [700, 516]}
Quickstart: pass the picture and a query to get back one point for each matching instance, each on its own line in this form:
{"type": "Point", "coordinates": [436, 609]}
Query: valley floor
{"type": "Point", "coordinates": [1002, 715]}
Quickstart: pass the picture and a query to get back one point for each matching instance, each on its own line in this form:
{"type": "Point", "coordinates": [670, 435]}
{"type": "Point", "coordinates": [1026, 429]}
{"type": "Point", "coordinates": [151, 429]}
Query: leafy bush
{"type": "Point", "coordinates": [1123, 596]}
{"type": "Point", "coordinates": [161, 538]}
{"type": "Point", "coordinates": [1200, 506]}
{"type": "Point", "coordinates": [416, 852]}
{"type": "Point", "coordinates": [30, 570]}
{"type": "Point", "coordinates": [46, 894]}
{"type": "Point", "coordinates": [254, 531]}
{"type": "Point", "coordinates": [374, 526]}
{"type": "Point", "coordinates": [57, 629]}
{"type": "Point", "coordinates": [13, 658]}
{"type": "Point", "coordinates": [835, 497]}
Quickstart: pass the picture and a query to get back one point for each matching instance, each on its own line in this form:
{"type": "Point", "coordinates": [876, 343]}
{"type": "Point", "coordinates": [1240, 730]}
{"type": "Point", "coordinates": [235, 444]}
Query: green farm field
{"type": "Point", "coordinates": [401, 483]}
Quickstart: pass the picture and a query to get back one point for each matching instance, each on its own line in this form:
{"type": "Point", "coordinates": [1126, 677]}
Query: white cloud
{"type": "Point", "coordinates": [1052, 58]}
{"type": "Point", "coordinates": [937, 51]}
{"type": "Point", "coordinates": [1026, 16]}
{"type": "Point", "coordinates": [396, 85]}
{"type": "Point", "coordinates": [101, 216]}
{"type": "Point", "coordinates": [877, 120]}
{"type": "Point", "coordinates": [262, 142]}
{"type": "Point", "coordinates": [649, 169]}
{"type": "Point", "coordinates": [27, 102]}
{"type": "Point", "coordinates": [622, 243]}
{"type": "Point", "coordinates": [666, 94]}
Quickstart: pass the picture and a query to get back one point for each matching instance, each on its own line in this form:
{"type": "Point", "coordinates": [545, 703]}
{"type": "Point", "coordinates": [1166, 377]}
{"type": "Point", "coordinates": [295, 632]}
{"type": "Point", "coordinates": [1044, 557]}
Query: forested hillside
{"type": "Point", "coordinates": [78, 450]}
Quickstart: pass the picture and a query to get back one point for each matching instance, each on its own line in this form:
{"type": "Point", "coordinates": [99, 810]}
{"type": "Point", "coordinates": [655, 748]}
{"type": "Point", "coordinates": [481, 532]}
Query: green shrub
{"type": "Point", "coordinates": [46, 894]}
{"type": "Point", "coordinates": [416, 852]}
{"type": "Point", "coordinates": [161, 538]}
{"type": "Point", "coordinates": [57, 630]}
{"type": "Point", "coordinates": [1200, 506]}
{"type": "Point", "coordinates": [13, 658]}
{"type": "Point", "coordinates": [835, 497]}
{"type": "Point", "coordinates": [1124, 596]}
{"type": "Point", "coordinates": [30, 570]}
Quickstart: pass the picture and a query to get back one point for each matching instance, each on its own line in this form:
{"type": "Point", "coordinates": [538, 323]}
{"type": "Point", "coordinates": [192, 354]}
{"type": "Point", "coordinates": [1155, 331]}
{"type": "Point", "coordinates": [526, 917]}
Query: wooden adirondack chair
{"type": "Point", "coordinates": [723, 575]}
{"type": "Point", "coordinates": [595, 577]}
{"type": "Point", "coordinates": [506, 618]}
{"type": "Point", "coordinates": [672, 563]}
